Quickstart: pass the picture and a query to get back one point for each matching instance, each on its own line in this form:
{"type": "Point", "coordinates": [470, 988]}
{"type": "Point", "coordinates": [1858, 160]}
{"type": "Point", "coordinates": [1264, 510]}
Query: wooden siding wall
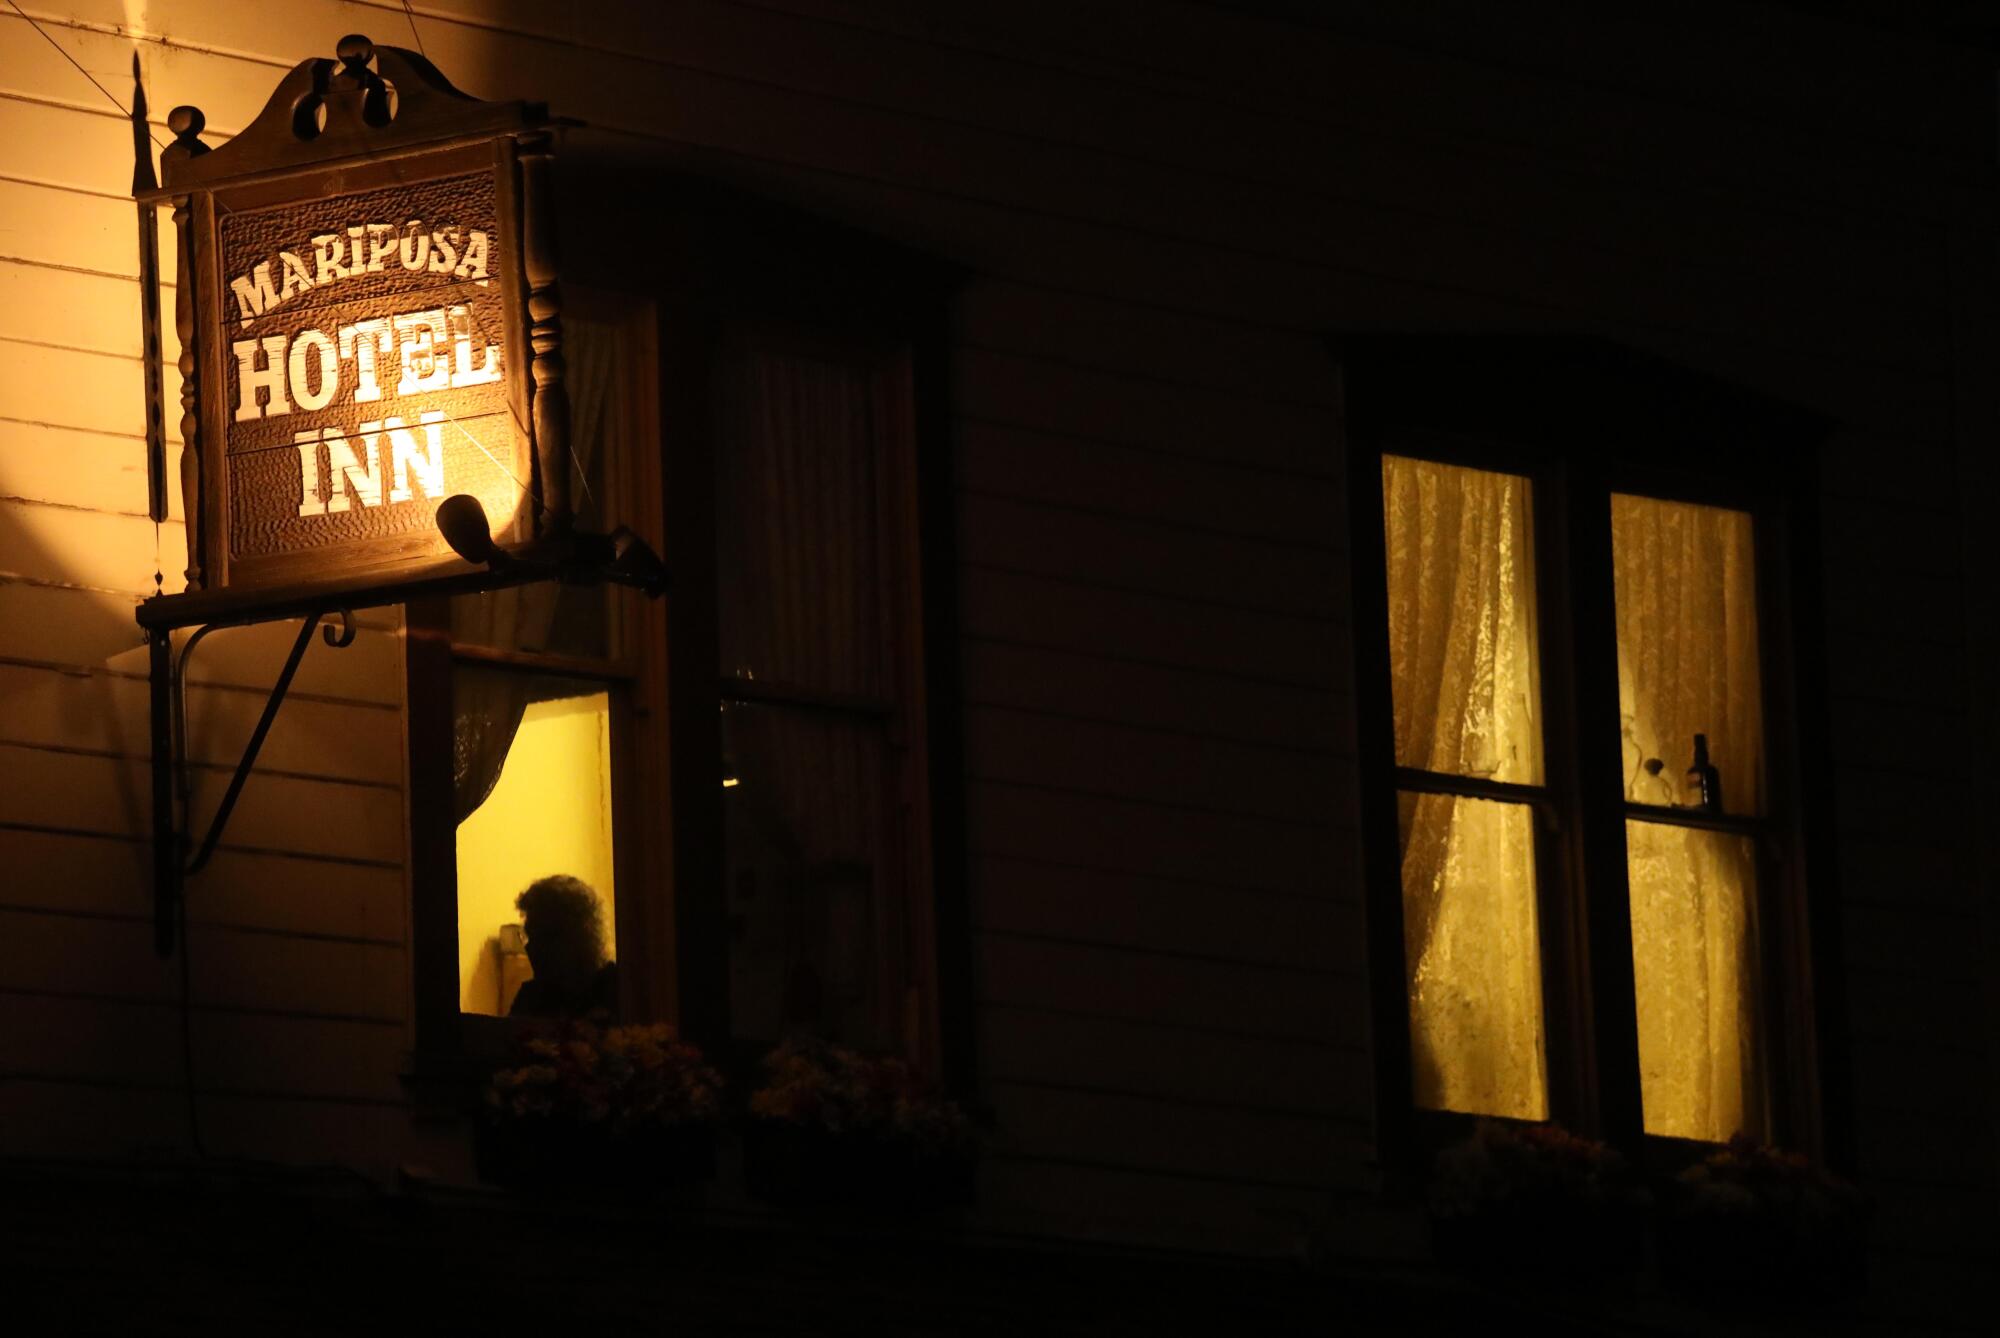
{"type": "Point", "coordinates": [1164, 208]}
{"type": "Point", "coordinates": [298, 981]}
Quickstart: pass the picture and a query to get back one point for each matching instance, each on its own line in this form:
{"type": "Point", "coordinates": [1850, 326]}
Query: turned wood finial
{"type": "Point", "coordinates": [355, 51]}
{"type": "Point", "coordinates": [187, 123]}
{"type": "Point", "coordinates": [186, 147]}
{"type": "Point", "coordinates": [353, 99]}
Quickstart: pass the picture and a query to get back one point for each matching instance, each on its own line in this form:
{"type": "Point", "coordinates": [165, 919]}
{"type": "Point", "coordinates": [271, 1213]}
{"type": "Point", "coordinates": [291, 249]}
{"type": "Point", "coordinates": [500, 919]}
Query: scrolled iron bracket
{"type": "Point", "coordinates": [345, 636]}
{"type": "Point", "coordinates": [173, 789]}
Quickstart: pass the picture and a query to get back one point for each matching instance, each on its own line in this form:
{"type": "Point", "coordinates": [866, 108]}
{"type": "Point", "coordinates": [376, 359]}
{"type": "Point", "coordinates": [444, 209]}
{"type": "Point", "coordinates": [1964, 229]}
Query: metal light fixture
{"type": "Point", "coordinates": [620, 557]}
{"type": "Point", "coordinates": [462, 521]}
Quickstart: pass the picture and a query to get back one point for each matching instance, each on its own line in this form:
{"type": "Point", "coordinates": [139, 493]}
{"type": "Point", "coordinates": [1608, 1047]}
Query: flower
{"type": "Point", "coordinates": [1509, 1167]}
{"type": "Point", "coordinates": [1751, 1220]}
{"type": "Point", "coordinates": [817, 1084]}
{"type": "Point", "coordinates": [1747, 1178]}
{"type": "Point", "coordinates": [619, 1079]}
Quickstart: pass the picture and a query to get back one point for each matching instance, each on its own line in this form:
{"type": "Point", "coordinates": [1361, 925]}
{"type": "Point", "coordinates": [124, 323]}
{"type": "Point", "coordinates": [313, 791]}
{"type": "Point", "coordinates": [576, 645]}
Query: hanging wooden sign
{"type": "Point", "coordinates": [369, 324]}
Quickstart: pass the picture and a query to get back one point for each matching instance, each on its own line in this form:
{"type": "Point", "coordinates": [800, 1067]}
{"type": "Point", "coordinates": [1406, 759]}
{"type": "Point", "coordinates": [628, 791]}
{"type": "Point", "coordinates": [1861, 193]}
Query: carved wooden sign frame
{"type": "Point", "coordinates": [369, 323]}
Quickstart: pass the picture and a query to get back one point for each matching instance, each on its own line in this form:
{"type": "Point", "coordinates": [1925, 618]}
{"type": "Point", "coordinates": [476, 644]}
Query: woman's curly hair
{"type": "Point", "coordinates": [567, 903]}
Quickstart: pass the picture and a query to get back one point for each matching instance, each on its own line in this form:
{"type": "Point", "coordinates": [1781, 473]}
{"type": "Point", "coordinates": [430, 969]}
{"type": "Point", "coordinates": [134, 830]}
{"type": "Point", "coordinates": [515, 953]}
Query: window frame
{"type": "Point", "coordinates": [713, 256]}
{"type": "Point", "coordinates": [1582, 421]}
{"type": "Point", "coordinates": [443, 1031]}
{"type": "Point", "coordinates": [745, 264]}
{"type": "Point", "coordinates": [903, 645]}
{"type": "Point", "coordinates": [634, 678]}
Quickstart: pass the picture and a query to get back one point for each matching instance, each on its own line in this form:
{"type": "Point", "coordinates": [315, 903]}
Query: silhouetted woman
{"type": "Point", "coordinates": [565, 930]}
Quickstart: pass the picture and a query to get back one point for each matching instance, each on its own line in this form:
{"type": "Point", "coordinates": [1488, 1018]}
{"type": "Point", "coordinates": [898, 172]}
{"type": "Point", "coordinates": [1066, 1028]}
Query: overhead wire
{"type": "Point", "coordinates": [64, 53]}
{"type": "Point", "coordinates": [411, 14]}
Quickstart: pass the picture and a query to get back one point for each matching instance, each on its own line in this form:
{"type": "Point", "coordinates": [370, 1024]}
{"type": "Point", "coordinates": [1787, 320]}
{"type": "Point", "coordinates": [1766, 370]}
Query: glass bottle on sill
{"type": "Point", "coordinates": [1704, 782]}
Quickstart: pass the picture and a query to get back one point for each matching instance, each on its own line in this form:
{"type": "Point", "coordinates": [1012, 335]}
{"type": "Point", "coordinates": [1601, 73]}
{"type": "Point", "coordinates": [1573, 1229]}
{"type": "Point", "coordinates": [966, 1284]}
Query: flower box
{"type": "Point", "coordinates": [1536, 1202]}
{"type": "Point", "coordinates": [1755, 1225]}
{"type": "Point", "coordinates": [834, 1128]}
{"type": "Point", "coordinates": [601, 1111]}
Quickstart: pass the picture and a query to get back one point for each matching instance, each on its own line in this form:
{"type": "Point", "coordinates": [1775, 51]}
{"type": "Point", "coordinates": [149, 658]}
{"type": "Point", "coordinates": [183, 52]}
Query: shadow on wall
{"type": "Point", "coordinates": [73, 664]}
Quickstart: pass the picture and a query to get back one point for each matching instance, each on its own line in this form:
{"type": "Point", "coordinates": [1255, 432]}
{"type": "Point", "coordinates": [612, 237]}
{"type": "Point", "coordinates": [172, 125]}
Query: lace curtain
{"type": "Point", "coordinates": [1694, 950]}
{"type": "Point", "coordinates": [1687, 648]}
{"type": "Point", "coordinates": [1462, 663]}
{"type": "Point", "coordinates": [1688, 664]}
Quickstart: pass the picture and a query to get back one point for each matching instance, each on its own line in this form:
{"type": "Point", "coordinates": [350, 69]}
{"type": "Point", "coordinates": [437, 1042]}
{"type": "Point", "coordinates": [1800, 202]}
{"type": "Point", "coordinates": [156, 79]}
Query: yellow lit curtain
{"type": "Point", "coordinates": [1462, 663]}
{"type": "Point", "coordinates": [1694, 946]}
{"type": "Point", "coordinates": [1688, 664]}
{"type": "Point", "coordinates": [1687, 647]}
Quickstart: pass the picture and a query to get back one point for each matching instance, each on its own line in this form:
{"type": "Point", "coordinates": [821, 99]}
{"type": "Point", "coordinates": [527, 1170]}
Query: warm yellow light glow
{"type": "Point", "coordinates": [1463, 669]}
{"type": "Point", "coordinates": [1694, 963]}
{"type": "Point", "coordinates": [549, 813]}
{"type": "Point", "coordinates": [730, 782]}
{"type": "Point", "coordinates": [1474, 962]}
{"type": "Point", "coordinates": [1462, 652]}
{"type": "Point", "coordinates": [505, 497]}
{"type": "Point", "coordinates": [1688, 661]}
{"type": "Point", "coordinates": [1687, 647]}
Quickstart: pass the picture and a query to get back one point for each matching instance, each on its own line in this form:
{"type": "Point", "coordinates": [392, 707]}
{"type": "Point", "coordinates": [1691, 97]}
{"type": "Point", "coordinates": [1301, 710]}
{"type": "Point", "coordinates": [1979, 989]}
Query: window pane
{"type": "Point", "coordinates": [815, 925]}
{"type": "Point", "coordinates": [1462, 654]}
{"type": "Point", "coordinates": [803, 473]}
{"type": "Point", "coordinates": [1473, 956]}
{"type": "Point", "coordinates": [605, 372]}
{"type": "Point", "coordinates": [547, 811]}
{"type": "Point", "coordinates": [1687, 650]}
{"type": "Point", "coordinates": [1694, 964]}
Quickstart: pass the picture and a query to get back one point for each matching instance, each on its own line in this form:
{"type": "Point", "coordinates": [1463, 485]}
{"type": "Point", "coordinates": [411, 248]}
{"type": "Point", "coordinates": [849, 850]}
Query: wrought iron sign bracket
{"type": "Point", "coordinates": [173, 787]}
{"type": "Point", "coordinates": [337, 640]}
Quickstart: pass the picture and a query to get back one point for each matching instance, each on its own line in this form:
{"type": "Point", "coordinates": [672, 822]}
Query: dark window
{"type": "Point", "coordinates": [819, 659]}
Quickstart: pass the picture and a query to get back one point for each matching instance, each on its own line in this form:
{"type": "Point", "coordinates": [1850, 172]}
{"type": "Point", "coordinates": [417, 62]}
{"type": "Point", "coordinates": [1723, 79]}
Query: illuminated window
{"type": "Point", "coordinates": [1690, 701]}
{"type": "Point", "coordinates": [1463, 662]}
{"type": "Point", "coordinates": [547, 812]}
{"type": "Point", "coordinates": [1498, 668]}
{"type": "Point", "coordinates": [529, 708]}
